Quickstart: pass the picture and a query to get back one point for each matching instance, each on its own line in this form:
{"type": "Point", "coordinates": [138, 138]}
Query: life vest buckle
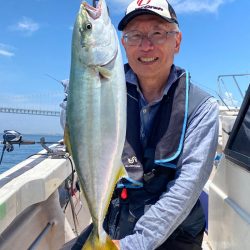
{"type": "Point", "coordinates": [148, 176]}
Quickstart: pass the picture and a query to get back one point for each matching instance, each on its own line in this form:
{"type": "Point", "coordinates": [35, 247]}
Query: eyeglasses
{"type": "Point", "coordinates": [134, 38]}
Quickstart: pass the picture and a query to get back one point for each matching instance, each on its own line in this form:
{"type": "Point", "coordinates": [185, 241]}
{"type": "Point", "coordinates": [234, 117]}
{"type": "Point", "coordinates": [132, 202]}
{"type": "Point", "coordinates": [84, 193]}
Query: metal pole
{"type": "Point", "coordinates": [238, 87]}
{"type": "Point", "coordinates": [229, 97]}
{"type": "Point", "coordinates": [41, 236]}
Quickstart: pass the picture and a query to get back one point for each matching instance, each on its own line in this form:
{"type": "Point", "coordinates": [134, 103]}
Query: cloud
{"type": "Point", "coordinates": [6, 53]}
{"type": "Point", "coordinates": [184, 6]}
{"type": "Point", "coordinates": [6, 50]}
{"type": "Point", "coordinates": [26, 25]}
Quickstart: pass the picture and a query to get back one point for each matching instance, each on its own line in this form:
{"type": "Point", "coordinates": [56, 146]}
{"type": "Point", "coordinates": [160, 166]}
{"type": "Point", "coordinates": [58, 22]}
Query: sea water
{"type": "Point", "coordinates": [22, 152]}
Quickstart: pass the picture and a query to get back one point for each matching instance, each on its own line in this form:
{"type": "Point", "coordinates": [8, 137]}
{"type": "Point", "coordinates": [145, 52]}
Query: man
{"type": "Point", "coordinates": [172, 130]}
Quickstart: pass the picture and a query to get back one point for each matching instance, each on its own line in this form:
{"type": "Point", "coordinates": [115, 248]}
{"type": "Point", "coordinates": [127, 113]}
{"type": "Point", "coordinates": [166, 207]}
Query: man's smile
{"type": "Point", "coordinates": [148, 59]}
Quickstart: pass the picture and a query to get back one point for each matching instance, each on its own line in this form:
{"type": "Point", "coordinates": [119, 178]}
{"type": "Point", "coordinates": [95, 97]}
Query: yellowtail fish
{"type": "Point", "coordinates": [96, 113]}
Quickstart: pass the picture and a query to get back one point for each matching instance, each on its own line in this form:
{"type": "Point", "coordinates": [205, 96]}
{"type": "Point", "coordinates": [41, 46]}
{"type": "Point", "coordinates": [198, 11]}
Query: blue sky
{"type": "Point", "coordinates": [35, 40]}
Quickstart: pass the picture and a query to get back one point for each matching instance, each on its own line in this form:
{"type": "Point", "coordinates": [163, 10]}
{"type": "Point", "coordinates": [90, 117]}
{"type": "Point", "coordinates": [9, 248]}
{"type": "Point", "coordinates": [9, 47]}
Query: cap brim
{"type": "Point", "coordinates": [126, 19]}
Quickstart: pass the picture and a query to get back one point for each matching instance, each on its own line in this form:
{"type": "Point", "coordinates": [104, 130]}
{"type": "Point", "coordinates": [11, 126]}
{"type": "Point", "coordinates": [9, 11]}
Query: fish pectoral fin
{"type": "Point", "coordinates": [105, 73]}
{"type": "Point", "coordinates": [66, 139]}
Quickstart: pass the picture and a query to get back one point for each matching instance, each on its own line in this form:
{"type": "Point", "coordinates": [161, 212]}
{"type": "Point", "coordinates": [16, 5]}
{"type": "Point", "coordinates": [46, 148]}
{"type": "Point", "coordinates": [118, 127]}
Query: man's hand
{"type": "Point", "coordinates": [117, 243]}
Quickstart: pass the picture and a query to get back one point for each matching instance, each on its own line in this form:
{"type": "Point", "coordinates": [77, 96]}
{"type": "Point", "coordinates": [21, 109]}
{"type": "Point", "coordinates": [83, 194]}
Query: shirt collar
{"type": "Point", "coordinates": [175, 73]}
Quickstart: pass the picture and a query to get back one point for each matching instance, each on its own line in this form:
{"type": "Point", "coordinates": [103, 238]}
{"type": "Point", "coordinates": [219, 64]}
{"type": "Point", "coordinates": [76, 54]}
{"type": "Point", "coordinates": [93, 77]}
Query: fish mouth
{"type": "Point", "coordinates": [89, 34]}
{"type": "Point", "coordinates": [93, 12]}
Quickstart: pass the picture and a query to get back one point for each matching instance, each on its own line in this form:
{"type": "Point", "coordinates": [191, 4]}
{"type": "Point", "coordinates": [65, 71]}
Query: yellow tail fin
{"type": "Point", "coordinates": [93, 243]}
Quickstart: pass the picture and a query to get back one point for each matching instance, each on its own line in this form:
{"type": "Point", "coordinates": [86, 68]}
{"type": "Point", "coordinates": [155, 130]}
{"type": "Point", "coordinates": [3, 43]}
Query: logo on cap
{"type": "Point", "coordinates": [143, 2]}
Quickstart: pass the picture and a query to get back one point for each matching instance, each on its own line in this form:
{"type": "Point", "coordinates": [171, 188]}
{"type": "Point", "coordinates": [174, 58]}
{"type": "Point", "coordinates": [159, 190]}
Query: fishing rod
{"type": "Point", "coordinates": [12, 137]}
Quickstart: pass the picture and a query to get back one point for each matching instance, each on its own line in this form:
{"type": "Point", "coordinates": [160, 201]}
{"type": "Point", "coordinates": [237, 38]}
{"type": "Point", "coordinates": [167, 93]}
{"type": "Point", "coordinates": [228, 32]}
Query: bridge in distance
{"type": "Point", "coordinates": [29, 111]}
{"type": "Point", "coordinates": [45, 104]}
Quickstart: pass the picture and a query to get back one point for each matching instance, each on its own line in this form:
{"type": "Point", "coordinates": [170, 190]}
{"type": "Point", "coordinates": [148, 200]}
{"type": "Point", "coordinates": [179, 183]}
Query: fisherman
{"type": "Point", "coordinates": [172, 129]}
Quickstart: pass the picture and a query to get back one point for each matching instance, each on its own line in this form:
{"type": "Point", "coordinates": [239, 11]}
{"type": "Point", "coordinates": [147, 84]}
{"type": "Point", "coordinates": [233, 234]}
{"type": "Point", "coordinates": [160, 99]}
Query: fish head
{"type": "Point", "coordinates": [94, 37]}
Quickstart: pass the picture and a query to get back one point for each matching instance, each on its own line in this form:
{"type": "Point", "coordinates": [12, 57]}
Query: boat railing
{"type": "Point", "coordinates": [232, 89]}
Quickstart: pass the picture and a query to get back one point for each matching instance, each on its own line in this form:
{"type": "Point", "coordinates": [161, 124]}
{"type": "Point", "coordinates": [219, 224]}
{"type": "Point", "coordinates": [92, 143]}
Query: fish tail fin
{"type": "Point", "coordinates": [94, 243]}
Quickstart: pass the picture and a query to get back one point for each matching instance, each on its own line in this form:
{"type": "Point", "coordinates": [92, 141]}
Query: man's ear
{"type": "Point", "coordinates": [178, 42]}
{"type": "Point", "coordinates": [123, 42]}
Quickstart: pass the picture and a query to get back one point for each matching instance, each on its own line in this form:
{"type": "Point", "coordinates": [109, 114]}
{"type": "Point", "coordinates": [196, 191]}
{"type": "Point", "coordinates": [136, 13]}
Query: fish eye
{"type": "Point", "coordinates": [88, 26]}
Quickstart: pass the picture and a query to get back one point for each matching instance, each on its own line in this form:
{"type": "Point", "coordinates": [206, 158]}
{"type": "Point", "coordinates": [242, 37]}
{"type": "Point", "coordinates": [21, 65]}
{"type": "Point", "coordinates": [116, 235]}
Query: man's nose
{"type": "Point", "coordinates": [146, 43]}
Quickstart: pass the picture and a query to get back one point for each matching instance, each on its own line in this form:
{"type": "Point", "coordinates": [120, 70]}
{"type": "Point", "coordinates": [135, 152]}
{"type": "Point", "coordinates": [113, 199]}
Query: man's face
{"type": "Point", "coordinates": [149, 59]}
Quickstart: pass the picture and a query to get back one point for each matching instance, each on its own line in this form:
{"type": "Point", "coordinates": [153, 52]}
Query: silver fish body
{"type": "Point", "coordinates": [96, 112]}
